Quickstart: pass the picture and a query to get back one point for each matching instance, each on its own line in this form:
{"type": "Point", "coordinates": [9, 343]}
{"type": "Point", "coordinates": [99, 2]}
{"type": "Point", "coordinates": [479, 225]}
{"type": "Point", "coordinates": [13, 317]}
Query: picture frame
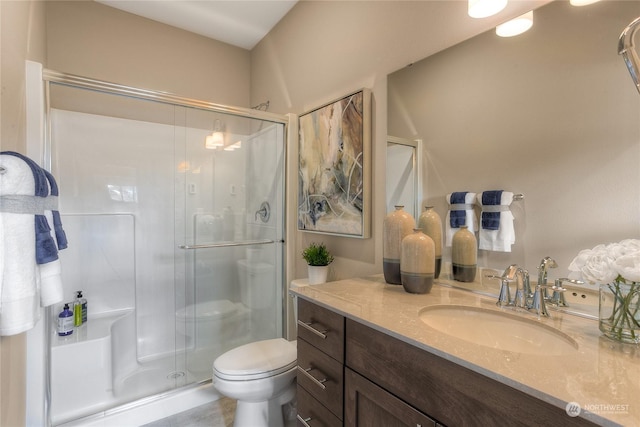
{"type": "Point", "coordinates": [334, 167]}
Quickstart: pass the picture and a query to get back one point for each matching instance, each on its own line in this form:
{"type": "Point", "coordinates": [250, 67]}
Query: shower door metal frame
{"type": "Point", "coordinates": [80, 82]}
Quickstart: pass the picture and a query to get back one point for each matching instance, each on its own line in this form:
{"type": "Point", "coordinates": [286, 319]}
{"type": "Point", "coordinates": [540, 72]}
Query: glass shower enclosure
{"type": "Point", "coordinates": [174, 212]}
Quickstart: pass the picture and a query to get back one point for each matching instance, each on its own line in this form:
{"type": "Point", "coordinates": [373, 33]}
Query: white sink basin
{"type": "Point", "coordinates": [497, 329]}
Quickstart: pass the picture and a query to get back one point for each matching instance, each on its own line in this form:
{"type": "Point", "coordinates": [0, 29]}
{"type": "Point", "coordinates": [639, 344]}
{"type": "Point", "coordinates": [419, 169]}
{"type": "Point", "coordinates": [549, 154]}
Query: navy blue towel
{"type": "Point", "coordinates": [46, 249]}
{"type": "Point", "coordinates": [61, 236]}
{"type": "Point", "coordinates": [458, 218]}
{"type": "Point", "coordinates": [491, 220]}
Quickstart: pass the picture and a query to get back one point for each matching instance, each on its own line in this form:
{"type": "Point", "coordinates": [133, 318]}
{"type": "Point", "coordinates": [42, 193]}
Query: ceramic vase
{"type": "Point", "coordinates": [431, 225]}
{"type": "Point", "coordinates": [464, 255]}
{"type": "Point", "coordinates": [396, 226]}
{"type": "Point", "coordinates": [417, 262]}
{"type": "Point", "coordinates": [317, 274]}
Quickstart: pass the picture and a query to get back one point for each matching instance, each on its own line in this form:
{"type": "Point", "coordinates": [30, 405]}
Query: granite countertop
{"type": "Point", "coordinates": [600, 375]}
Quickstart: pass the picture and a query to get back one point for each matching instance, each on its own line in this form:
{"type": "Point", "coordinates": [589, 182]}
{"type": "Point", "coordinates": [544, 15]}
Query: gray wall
{"type": "Point", "coordinates": [22, 37]}
{"type": "Point", "coordinates": [97, 41]}
{"type": "Point", "coordinates": [323, 50]}
{"type": "Point", "coordinates": [552, 114]}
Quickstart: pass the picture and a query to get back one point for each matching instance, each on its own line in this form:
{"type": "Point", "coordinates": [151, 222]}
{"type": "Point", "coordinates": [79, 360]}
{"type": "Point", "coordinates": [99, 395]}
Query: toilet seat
{"type": "Point", "coordinates": [256, 360]}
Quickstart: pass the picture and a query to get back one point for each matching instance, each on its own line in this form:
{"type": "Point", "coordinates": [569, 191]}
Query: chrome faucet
{"type": "Point", "coordinates": [545, 264]}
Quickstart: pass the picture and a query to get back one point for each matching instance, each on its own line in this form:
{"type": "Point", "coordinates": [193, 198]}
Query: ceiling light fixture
{"type": "Point", "coordinates": [485, 8]}
{"type": "Point", "coordinates": [516, 26]}
{"type": "Point", "coordinates": [216, 139]}
{"type": "Point", "coordinates": [233, 146]}
{"type": "Point", "coordinates": [582, 2]}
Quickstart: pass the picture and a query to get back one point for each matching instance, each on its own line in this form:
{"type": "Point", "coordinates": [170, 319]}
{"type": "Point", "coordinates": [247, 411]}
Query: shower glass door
{"type": "Point", "coordinates": [177, 247]}
{"type": "Point", "coordinates": [233, 232]}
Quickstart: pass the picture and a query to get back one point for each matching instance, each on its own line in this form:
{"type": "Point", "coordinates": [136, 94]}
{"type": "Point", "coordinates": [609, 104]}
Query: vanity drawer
{"type": "Point", "coordinates": [322, 328]}
{"type": "Point", "coordinates": [313, 413]}
{"type": "Point", "coordinates": [321, 376]}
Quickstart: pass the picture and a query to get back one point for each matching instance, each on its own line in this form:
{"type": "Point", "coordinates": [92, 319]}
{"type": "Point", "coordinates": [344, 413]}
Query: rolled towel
{"type": "Point", "coordinates": [460, 213]}
{"type": "Point", "coordinates": [46, 249]}
{"type": "Point", "coordinates": [497, 232]}
{"type": "Point", "coordinates": [19, 276]}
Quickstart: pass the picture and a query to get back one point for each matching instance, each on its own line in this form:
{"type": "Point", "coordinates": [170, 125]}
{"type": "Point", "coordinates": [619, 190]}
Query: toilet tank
{"type": "Point", "coordinates": [257, 284]}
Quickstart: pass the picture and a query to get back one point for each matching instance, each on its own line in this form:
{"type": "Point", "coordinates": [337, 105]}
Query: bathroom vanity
{"type": "Point", "coordinates": [371, 354]}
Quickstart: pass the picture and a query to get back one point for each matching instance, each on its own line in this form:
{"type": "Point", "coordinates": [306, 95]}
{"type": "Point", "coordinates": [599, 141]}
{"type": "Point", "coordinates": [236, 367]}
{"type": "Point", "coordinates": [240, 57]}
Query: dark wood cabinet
{"type": "Point", "coordinates": [351, 374]}
{"type": "Point", "coordinates": [320, 366]}
{"type": "Point", "coordinates": [366, 404]}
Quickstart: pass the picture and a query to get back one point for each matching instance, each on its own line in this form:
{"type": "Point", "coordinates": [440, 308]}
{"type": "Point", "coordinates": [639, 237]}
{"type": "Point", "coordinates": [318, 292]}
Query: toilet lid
{"type": "Point", "coordinates": [260, 359]}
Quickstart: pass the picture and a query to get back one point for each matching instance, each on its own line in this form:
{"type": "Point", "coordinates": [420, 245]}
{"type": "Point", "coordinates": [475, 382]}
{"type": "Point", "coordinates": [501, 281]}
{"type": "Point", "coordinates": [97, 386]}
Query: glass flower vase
{"type": "Point", "coordinates": [619, 311]}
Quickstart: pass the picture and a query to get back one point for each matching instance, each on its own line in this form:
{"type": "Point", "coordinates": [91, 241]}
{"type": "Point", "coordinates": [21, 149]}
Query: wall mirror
{"type": "Point", "coordinates": [403, 181]}
{"type": "Point", "coordinates": [551, 114]}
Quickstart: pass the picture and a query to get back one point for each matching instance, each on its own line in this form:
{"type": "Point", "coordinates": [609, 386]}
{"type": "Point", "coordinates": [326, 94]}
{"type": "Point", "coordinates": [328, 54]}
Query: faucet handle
{"type": "Point", "coordinates": [558, 291]}
{"type": "Point", "coordinates": [539, 300]}
{"type": "Point", "coordinates": [504, 298]}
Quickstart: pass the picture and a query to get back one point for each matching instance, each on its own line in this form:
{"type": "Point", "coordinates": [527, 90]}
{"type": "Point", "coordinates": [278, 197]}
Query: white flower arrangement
{"type": "Point", "coordinates": [608, 263]}
{"type": "Point", "coordinates": [616, 268]}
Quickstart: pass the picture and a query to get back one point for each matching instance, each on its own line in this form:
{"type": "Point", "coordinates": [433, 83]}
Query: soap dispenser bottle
{"type": "Point", "coordinates": [65, 321]}
{"type": "Point", "coordinates": [79, 309]}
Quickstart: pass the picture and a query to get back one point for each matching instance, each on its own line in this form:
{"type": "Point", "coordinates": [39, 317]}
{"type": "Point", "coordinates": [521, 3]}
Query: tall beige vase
{"type": "Point", "coordinates": [417, 262]}
{"type": "Point", "coordinates": [396, 226]}
{"type": "Point", "coordinates": [464, 255]}
{"type": "Point", "coordinates": [431, 225]}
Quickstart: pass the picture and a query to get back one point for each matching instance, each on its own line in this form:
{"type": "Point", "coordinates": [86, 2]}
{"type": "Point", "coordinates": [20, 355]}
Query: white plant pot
{"type": "Point", "coordinates": [318, 274]}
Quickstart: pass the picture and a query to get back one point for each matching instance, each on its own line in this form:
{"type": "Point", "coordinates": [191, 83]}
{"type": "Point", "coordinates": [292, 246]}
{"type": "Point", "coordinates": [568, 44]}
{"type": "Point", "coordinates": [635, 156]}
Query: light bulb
{"type": "Point", "coordinates": [516, 26]}
{"type": "Point", "coordinates": [582, 2]}
{"type": "Point", "coordinates": [485, 8]}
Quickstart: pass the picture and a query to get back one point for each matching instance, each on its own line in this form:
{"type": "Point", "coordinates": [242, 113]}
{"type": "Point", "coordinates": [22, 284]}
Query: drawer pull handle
{"type": "Point", "coordinates": [319, 383]}
{"type": "Point", "coordinates": [304, 421]}
{"type": "Point", "coordinates": [307, 326]}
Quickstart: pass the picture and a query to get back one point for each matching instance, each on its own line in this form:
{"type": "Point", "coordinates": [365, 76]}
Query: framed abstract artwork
{"type": "Point", "coordinates": [334, 167]}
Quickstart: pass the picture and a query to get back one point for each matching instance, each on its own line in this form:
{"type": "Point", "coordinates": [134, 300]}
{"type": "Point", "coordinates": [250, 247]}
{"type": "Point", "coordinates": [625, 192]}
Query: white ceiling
{"type": "Point", "coordinates": [241, 23]}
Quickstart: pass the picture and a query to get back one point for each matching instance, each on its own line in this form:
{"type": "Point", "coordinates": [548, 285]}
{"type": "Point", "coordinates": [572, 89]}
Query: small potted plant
{"type": "Point", "coordinates": [318, 259]}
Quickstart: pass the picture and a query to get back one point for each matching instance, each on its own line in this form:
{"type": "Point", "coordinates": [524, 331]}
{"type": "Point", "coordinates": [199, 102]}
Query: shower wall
{"type": "Point", "coordinates": [166, 244]}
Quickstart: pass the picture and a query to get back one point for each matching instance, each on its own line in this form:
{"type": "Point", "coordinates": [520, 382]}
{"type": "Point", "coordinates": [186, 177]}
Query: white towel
{"type": "Point", "coordinates": [470, 218]}
{"type": "Point", "coordinates": [19, 278]}
{"type": "Point", "coordinates": [499, 240]}
{"type": "Point", "coordinates": [51, 291]}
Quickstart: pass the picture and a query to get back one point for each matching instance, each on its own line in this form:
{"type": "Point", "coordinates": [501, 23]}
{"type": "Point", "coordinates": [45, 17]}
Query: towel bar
{"type": "Point", "coordinates": [227, 244]}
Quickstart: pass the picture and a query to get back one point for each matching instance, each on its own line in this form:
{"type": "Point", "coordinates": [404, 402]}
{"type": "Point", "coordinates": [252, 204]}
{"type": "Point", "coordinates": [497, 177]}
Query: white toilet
{"type": "Point", "coordinates": [261, 377]}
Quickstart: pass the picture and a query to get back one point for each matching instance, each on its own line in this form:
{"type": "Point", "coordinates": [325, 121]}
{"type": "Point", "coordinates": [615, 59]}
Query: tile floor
{"type": "Point", "coordinates": [214, 414]}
